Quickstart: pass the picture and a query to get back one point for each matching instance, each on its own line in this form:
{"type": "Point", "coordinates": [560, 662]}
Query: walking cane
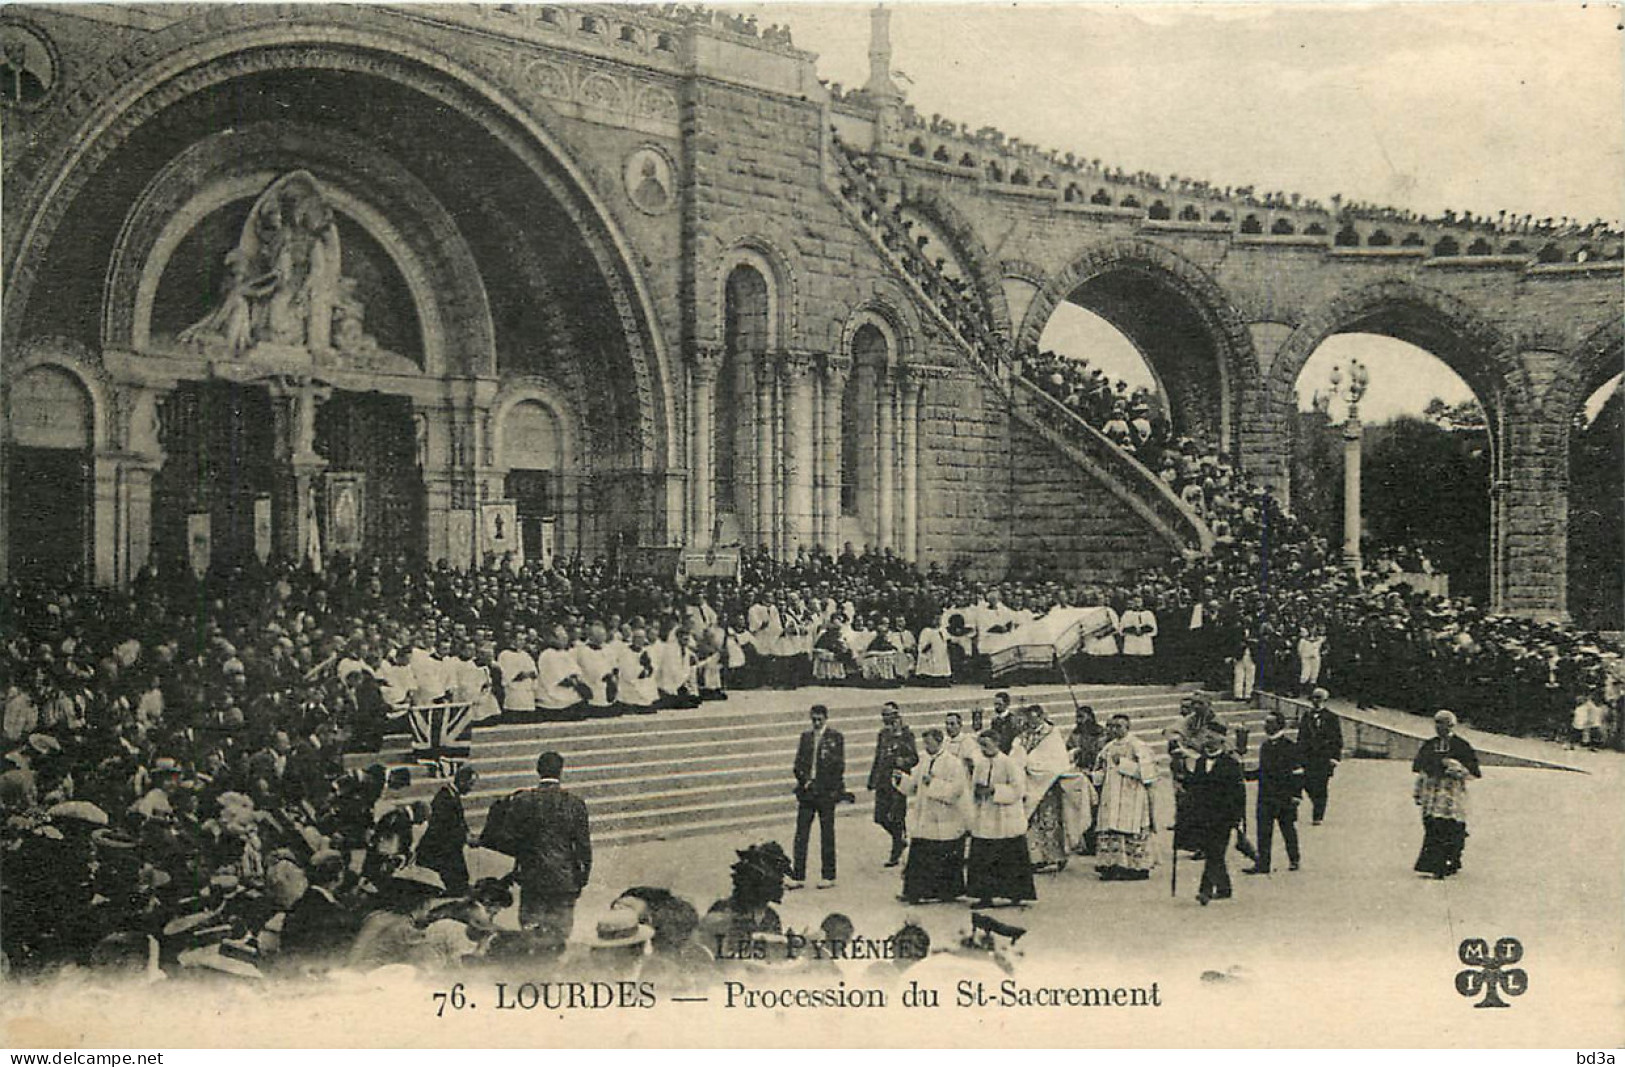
{"type": "Point", "coordinates": [1173, 885]}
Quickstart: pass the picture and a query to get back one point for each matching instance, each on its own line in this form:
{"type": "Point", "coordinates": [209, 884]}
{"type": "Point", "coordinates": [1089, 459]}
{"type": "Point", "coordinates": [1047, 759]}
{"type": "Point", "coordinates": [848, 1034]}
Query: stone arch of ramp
{"type": "Point", "coordinates": [1235, 361]}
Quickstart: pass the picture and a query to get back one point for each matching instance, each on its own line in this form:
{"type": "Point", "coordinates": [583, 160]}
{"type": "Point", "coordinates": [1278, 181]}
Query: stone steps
{"type": "Point", "coordinates": [726, 767]}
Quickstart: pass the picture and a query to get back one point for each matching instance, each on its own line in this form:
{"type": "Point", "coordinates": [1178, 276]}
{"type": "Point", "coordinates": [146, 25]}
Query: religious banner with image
{"type": "Point", "coordinates": [346, 515]}
{"type": "Point", "coordinates": [499, 531]}
{"type": "Point", "coordinates": [460, 538]}
{"type": "Point", "coordinates": [198, 542]}
{"type": "Point", "coordinates": [262, 528]}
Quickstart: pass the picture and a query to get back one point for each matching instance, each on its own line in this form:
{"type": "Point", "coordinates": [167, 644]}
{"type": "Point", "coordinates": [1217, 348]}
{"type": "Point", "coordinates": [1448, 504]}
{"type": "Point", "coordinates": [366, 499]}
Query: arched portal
{"type": "Point", "coordinates": [476, 238]}
{"type": "Point", "coordinates": [50, 429]}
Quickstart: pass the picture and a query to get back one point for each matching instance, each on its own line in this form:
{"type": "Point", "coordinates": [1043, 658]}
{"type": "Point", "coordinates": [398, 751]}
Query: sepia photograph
{"type": "Point", "coordinates": [848, 525]}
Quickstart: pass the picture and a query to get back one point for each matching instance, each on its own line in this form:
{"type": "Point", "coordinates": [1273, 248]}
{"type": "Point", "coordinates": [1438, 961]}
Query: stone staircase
{"type": "Point", "coordinates": [965, 318]}
{"type": "Point", "coordinates": [725, 767]}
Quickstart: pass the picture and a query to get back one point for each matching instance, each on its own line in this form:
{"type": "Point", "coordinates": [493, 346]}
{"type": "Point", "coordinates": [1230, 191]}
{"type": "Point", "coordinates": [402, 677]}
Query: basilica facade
{"type": "Point", "coordinates": [284, 280]}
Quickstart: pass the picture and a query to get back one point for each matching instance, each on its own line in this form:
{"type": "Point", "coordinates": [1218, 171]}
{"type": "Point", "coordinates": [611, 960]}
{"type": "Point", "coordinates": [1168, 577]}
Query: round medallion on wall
{"type": "Point", "coordinates": [29, 69]}
{"type": "Point", "coordinates": [651, 182]}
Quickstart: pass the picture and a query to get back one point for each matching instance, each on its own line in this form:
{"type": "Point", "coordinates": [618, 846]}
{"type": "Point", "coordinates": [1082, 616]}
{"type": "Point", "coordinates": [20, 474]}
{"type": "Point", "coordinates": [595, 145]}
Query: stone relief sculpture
{"type": "Point", "coordinates": [285, 284]}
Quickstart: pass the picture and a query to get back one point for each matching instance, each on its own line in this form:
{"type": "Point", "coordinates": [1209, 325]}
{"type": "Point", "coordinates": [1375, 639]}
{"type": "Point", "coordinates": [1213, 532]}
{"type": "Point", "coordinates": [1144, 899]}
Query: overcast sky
{"type": "Point", "coordinates": [1478, 107]}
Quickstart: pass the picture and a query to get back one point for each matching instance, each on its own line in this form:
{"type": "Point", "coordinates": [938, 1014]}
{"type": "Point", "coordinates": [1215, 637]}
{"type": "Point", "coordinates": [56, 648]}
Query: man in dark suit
{"type": "Point", "coordinates": [1280, 780]}
{"type": "Point", "coordinates": [820, 771]}
{"type": "Point", "coordinates": [545, 830]}
{"type": "Point", "coordinates": [441, 847]}
{"type": "Point", "coordinates": [317, 924]}
{"type": "Point", "coordinates": [1215, 800]}
{"type": "Point", "coordinates": [894, 751]}
{"type": "Point", "coordinates": [1320, 736]}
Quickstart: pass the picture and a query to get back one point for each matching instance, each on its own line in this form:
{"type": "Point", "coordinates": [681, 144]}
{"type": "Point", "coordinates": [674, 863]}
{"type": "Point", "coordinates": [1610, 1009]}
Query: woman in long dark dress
{"type": "Point", "coordinates": [1442, 768]}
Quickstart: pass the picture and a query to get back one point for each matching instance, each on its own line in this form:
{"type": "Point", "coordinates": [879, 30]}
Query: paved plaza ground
{"type": "Point", "coordinates": [1352, 950]}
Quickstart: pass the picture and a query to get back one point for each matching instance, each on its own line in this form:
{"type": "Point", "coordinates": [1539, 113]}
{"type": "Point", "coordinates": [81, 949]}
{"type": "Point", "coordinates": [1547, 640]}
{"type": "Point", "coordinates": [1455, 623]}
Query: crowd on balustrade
{"type": "Point", "coordinates": [989, 138]}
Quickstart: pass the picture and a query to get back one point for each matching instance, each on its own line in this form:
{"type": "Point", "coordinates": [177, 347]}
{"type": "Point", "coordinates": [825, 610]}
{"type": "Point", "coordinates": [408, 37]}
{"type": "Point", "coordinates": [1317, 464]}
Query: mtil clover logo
{"type": "Point", "coordinates": [1491, 974]}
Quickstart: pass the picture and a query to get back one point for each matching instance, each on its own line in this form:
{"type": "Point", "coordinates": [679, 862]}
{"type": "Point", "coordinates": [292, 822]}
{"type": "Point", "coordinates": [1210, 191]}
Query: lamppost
{"type": "Point", "coordinates": [1350, 387]}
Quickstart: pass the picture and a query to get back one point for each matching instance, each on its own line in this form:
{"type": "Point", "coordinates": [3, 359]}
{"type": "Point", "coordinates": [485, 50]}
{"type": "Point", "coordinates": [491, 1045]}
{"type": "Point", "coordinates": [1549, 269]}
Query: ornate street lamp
{"type": "Point", "coordinates": [1350, 386]}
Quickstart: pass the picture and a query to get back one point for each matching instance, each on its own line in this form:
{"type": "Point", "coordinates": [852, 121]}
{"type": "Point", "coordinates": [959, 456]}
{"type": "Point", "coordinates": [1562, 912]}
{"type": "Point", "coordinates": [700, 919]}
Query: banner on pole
{"type": "Point", "coordinates": [499, 532]}
{"type": "Point", "coordinates": [460, 538]}
{"type": "Point", "coordinates": [262, 528]}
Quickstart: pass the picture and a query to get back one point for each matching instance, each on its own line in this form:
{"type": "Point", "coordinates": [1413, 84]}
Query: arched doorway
{"type": "Point", "coordinates": [533, 451]}
{"type": "Point", "coordinates": [48, 482]}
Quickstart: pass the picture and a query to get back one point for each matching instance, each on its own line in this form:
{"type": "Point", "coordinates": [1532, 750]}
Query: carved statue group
{"type": "Point", "coordinates": [285, 285]}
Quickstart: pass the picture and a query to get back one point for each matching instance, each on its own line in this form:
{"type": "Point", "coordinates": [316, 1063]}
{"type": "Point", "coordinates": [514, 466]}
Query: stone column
{"type": "Point", "coordinates": [799, 423]}
{"type": "Point", "coordinates": [1351, 493]}
{"type": "Point", "coordinates": [105, 529]}
{"type": "Point", "coordinates": [702, 423]}
{"type": "Point", "coordinates": [886, 457]}
{"type": "Point", "coordinates": [913, 387]}
{"type": "Point", "coordinates": [765, 513]}
{"type": "Point", "coordinates": [836, 369]}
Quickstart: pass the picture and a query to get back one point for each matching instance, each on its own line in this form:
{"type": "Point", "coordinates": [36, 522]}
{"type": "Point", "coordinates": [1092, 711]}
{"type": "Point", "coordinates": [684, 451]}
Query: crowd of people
{"type": "Point", "coordinates": [1014, 151]}
{"type": "Point", "coordinates": [175, 751]}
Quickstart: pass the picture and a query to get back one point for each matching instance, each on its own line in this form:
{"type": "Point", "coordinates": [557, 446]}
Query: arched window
{"type": "Point", "coordinates": [1379, 239]}
{"type": "Point", "coordinates": [1315, 229]}
{"type": "Point", "coordinates": [1447, 246]}
{"type": "Point", "coordinates": [1347, 237]}
{"type": "Point", "coordinates": [870, 353]}
{"type": "Point", "coordinates": [745, 338]}
{"type": "Point", "coordinates": [941, 155]}
{"type": "Point", "coordinates": [1282, 227]}
{"type": "Point", "coordinates": [1188, 213]}
{"type": "Point", "coordinates": [1250, 224]}
{"type": "Point", "coordinates": [1101, 197]}
{"type": "Point", "coordinates": [916, 147]}
{"type": "Point", "coordinates": [1130, 201]}
{"type": "Point", "coordinates": [1413, 240]}
{"type": "Point", "coordinates": [1159, 211]}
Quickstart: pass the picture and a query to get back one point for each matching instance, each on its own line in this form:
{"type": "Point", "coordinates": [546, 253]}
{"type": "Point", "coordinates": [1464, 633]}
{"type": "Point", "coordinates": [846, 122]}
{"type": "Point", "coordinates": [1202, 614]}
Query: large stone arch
{"type": "Point", "coordinates": [230, 42]}
{"type": "Point", "coordinates": [1585, 367]}
{"type": "Point", "coordinates": [1237, 362]}
{"type": "Point", "coordinates": [1445, 326]}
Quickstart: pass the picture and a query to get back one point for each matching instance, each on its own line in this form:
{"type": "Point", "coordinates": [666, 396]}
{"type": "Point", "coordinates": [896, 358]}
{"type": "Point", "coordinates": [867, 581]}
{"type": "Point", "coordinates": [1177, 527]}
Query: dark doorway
{"type": "Point", "coordinates": [373, 434]}
{"type": "Point", "coordinates": [49, 513]}
{"type": "Point", "coordinates": [219, 439]}
{"type": "Point", "coordinates": [535, 497]}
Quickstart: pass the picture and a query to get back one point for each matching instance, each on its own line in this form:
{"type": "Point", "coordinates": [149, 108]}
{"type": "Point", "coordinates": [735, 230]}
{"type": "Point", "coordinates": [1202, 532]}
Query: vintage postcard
{"type": "Point", "coordinates": [908, 525]}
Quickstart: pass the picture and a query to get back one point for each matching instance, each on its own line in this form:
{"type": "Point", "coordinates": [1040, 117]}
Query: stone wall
{"type": "Point", "coordinates": [1062, 521]}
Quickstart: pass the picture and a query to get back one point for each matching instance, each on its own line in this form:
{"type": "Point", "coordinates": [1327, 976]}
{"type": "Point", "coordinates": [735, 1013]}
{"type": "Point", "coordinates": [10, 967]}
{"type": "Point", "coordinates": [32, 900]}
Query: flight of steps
{"type": "Point", "coordinates": [726, 766]}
